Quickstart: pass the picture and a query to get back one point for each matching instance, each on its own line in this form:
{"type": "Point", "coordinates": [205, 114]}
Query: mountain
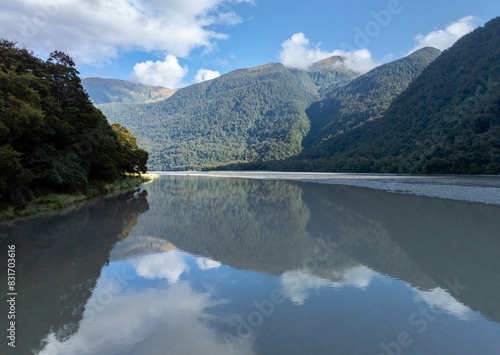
{"type": "Point", "coordinates": [253, 114]}
{"type": "Point", "coordinates": [366, 97]}
{"type": "Point", "coordinates": [104, 91]}
{"type": "Point", "coordinates": [264, 113]}
{"type": "Point", "coordinates": [327, 74]}
{"type": "Point", "coordinates": [446, 121]}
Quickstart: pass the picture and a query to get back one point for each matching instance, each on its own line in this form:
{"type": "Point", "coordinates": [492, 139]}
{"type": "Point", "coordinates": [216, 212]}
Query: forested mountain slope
{"type": "Point", "coordinates": [366, 97]}
{"type": "Point", "coordinates": [446, 121]}
{"type": "Point", "coordinates": [254, 114]}
{"type": "Point", "coordinates": [264, 113]}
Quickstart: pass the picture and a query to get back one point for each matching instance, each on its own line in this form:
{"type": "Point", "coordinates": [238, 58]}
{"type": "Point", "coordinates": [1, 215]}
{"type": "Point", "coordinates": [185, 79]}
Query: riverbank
{"type": "Point", "coordinates": [469, 188]}
{"type": "Point", "coordinates": [54, 202]}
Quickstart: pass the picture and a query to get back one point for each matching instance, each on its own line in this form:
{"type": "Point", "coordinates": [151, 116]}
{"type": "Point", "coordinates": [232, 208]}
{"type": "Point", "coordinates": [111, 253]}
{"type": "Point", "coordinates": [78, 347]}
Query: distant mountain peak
{"type": "Point", "coordinates": [427, 49]}
{"type": "Point", "coordinates": [446, 121]}
{"type": "Point", "coordinates": [366, 97]}
{"type": "Point", "coordinates": [266, 67]}
{"type": "Point", "coordinates": [103, 91]}
{"type": "Point", "coordinates": [329, 63]}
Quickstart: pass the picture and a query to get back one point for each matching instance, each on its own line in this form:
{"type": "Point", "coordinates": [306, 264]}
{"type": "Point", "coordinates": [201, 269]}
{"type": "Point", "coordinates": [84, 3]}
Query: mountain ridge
{"type": "Point", "coordinates": [451, 114]}
{"type": "Point", "coordinates": [103, 90]}
{"type": "Point", "coordinates": [328, 118]}
{"type": "Point", "coordinates": [366, 97]}
{"type": "Point", "coordinates": [446, 122]}
{"type": "Point", "coordinates": [251, 114]}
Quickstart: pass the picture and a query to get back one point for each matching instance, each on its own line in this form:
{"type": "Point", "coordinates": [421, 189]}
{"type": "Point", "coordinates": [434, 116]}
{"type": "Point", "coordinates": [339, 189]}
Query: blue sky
{"type": "Point", "coordinates": [179, 42]}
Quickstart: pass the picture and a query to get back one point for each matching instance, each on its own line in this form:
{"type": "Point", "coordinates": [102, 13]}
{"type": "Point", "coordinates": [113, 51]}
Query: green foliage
{"type": "Point", "coordinates": [419, 114]}
{"type": "Point", "coordinates": [132, 159]}
{"type": "Point", "coordinates": [52, 138]}
{"type": "Point", "coordinates": [255, 114]}
{"type": "Point", "coordinates": [447, 121]}
{"type": "Point", "coordinates": [366, 97]}
{"type": "Point", "coordinates": [10, 166]}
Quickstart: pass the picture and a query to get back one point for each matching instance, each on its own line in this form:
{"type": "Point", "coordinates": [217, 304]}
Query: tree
{"type": "Point", "coordinates": [52, 138]}
{"type": "Point", "coordinates": [131, 157]}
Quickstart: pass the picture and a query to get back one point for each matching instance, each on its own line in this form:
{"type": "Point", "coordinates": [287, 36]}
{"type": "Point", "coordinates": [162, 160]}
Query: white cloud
{"type": "Point", "coordinates": [359, 60]}
{"type": "Point", "coordinates": [205, 74]}
{"type": "Point", "coordinates": [442, 300]}
{"type": "Point", "coordinates": [168, 266]}
{"type": "Point", "coordinates": [444, 38]}
{"type": "Point", "coordinates": [167, 73]}
{"type": "Point", "coordinates": [145, 322]}
{"type": "Point", "coordinates": [299, 283]}
{"type": "Point", "coordinates": [357, 276]}
{"type": "Point", "coordinates": [297, 52]}
{"type": "Point", "coordinates": [94, 32]}
{"type": "Point", "coordinates": [207, 264]}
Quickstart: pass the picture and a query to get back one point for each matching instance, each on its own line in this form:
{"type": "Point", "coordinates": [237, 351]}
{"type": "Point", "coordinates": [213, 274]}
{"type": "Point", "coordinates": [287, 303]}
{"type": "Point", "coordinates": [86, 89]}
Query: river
{"type": "Point", "coordinates": [262, 264]}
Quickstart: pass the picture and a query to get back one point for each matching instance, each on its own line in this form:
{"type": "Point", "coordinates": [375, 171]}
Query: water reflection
{"type": "Point", "coordinates": [58, 261]}
{"type": "Point", "coordinates": [150, 312]}
{"type": "Point", "coordinates": [427, 242]}
{"type": "Point", "coordinates": [233, 266]}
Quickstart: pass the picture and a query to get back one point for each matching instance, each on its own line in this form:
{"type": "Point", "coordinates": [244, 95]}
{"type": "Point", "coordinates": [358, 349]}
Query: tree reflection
{"type": "Point", "coordinates": [58, 261]}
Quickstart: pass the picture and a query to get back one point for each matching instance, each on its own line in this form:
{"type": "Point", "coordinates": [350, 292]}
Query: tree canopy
{"type": "Point", "coordinates": [52, 138]}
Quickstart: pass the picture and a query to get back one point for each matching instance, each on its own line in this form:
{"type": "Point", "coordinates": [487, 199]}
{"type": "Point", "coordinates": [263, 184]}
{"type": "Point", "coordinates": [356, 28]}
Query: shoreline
{"type": "Point", "coordinates": [467, 188]}
{"type": "Point", "coordinates": [61, 203]}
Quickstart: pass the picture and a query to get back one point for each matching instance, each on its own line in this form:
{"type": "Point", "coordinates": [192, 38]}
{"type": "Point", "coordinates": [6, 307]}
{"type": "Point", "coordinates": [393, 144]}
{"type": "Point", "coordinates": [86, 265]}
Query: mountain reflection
{"type": "Point", "coordinates": [180, 271]}
{"type": "Point", "coordinates": [58, 261]}
{"type": "Point", "coordinates": [425, 241]}
{"type": "Point", "coordinates": [252, 225]}
{"type": "Point", "coordinates": [278, 227]}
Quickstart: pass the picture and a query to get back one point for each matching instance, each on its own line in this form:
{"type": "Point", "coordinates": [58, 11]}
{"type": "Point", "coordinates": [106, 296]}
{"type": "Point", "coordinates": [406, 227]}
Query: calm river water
{"type": "Point", "coordinates": [205, 265]}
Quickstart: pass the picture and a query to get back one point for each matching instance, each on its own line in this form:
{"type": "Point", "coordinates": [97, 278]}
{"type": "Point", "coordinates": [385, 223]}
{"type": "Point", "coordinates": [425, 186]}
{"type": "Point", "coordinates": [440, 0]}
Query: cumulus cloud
{"type": "Point", "coordinates": [205, 74]}
{"type": "Point", "coordinates": [357, 276]}
{"type": "Point", "coordinates": [298, 52]}
{"type": "Point", "coordinates": [124, 315]}
{"type": "Point", "coordinates": [359, 60]}
{"type": "Point", "coordinates": [146, 321]}
{"type": "Point", "coordinates": [298, 284]}
{"type": "Point", "coordinates": [168, 266]}
{"type": "Point", "coordinates": [440, 299]}
{"type": "Point", "coordinates": [167, 73]}
{"type": "Point", "coordinates": [207, 264]}
{"type": "Point", "coordinates": [444, 38]}
{"type": "Point", "coordinates": [94, 32]}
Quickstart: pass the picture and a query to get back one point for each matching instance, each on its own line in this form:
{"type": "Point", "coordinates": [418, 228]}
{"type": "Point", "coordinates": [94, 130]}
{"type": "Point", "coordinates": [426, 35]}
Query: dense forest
{"type": "Point", "coordinates": [52, 138]}
{"type": "Point", "coordinates": [446, 121]}
{"type": "Point", "coordinates": [254, 114]}
{"type": "Point", "coordinates": [365, 98]}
